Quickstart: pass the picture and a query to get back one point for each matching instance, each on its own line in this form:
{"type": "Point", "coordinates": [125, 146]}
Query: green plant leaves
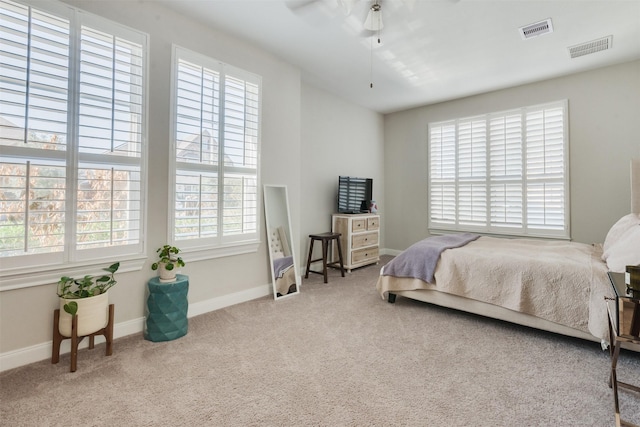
{"type": "Point", "coordinates": [88, 286]}
{"type": "Point", "coordinates": [166, 254]}
{"type": "Point", "coordinates": [112, 268]}
{"type": "Point", "coordinates": [71, 308]}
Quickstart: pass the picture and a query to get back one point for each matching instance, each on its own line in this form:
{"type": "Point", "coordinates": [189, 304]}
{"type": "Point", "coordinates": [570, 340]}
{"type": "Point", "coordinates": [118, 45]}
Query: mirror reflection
{"type": "Point", "coordinates": [282, 258]}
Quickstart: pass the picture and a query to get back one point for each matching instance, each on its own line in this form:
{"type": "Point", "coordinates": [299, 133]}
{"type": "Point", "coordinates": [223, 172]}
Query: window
{"type": "Point", "coordinates": [72, 136]}
{"type": "Point", "coordinates": [216, 117]}
{"type": "Point", "coordinates": [502, 173]}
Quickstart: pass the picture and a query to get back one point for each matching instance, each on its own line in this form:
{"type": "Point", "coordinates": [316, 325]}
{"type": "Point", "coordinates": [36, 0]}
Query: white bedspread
{"type": "Point", "coordinates": [563, 282]}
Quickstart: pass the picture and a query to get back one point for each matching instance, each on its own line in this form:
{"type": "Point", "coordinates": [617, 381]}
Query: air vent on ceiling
{"type": "Point", "coordinates": [590, 47]}
{"type": "Point", "coordinates": [536, 29]}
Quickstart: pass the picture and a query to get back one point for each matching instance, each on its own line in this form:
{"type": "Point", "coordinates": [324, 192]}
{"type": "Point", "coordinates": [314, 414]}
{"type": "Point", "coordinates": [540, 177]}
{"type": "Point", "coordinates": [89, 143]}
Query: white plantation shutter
{"type": "Point", "coordinates": [472, 172]}
{"type": "Point", "coordinates": [442, 173]}
{"type": "Point", "coordinates": [216, 139]}
{"type": "Point", "coordinates": [34, 57]}
{"type": "Point", "coordinates": [545, 163]}
{"type": "Point", "coordinates": [69, 82]}
{"type": "Point", "coordinates": [197, 127]}
{"type": "Point", "coordinates": [506, 173]}
{"type": "Point", "coordinates": [110, 104]}
{"type": "Point", "coordinates": [505, 165]}
{"type": "Point", "coordinates": [34, 75]}
{"type": "Point", "coordinates": [241, 100]}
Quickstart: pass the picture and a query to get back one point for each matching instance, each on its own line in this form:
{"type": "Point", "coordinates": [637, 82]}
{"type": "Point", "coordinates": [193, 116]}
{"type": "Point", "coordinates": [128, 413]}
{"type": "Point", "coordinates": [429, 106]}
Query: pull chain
{"type": "Point", "coordinates": [371, 58]}
{"type": "Point", "coordinates": [371, 64]}
{"type": "Point", "coordinates": [376, 8]}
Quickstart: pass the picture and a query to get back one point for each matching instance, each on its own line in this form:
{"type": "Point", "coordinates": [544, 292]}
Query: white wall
{"type": "Point", "coordinates": [604, 134]}
{"type": "Point", "coordinates": [26, 315]}
{"type": "Point", "coordinates": [338, 139]}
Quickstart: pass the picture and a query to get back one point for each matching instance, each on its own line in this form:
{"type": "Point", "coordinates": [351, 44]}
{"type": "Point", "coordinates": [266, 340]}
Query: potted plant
{"type": "Point", "coordinates": [88, 299]}
{"type": "Point", "coordinates": [168, 260]}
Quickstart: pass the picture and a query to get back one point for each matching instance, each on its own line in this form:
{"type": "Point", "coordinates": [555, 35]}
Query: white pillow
{"type": "Point", "coordinates": [626, 251]}
{"type": "Point", "coordinates": [618, 230]}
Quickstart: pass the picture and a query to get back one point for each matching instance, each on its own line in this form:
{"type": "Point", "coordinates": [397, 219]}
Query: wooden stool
{"type": "Point", "coordinates": [325, 238]}
{"type": "Point", "coordinates": [107, 331]}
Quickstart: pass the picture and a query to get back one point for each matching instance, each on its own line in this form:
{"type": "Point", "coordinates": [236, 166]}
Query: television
{"type": "Point", "coordinates": [354, 194]}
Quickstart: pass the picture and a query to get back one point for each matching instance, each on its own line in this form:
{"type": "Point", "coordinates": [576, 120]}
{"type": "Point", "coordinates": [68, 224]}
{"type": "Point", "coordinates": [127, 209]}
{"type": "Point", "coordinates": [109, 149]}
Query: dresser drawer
{"type": "Point", "coordinates": [362, 255]}
{"type": "Point", "coordinates": [373, 223]}
{"type": "Point", "coordinates": [358, 225]}
{"type": "Point", "coordinates": [364, 239]}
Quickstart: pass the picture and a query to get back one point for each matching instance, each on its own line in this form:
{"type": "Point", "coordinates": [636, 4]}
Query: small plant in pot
{"type": "Point", "coordinates": [167, 263]}
{"type": "Point", "coordinates": [88, 299]}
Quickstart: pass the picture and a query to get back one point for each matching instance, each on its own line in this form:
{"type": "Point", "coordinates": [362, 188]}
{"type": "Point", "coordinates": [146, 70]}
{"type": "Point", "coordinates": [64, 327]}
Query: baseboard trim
{"type": "Point", "coordinates": [213, 304]}
{"type": "Point", "coordinates": [38, 352]}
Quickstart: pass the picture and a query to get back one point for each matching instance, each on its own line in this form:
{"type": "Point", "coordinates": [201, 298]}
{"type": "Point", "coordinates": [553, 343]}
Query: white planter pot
{"type": "Point", "coordinates": [166, 275]}
{"type": "Point", "coordinates": [93, 315]}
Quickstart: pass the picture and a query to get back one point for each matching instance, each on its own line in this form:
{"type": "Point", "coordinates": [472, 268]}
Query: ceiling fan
{"type": "Point", "coordinates": [373, 21]}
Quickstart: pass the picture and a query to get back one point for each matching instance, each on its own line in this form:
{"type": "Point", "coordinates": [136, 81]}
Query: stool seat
{"type": "Point", "coordinates": [325, 239]}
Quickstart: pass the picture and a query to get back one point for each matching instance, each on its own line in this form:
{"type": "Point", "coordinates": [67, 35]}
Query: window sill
{"type": "Point", "coordinates": [440, 232]}
{"type": "Point", "coordinates": [205, 253]}
{"type": "Point", "coordinates": [26, 277]}
{"type": "Point", "coordinates": [11, 279]}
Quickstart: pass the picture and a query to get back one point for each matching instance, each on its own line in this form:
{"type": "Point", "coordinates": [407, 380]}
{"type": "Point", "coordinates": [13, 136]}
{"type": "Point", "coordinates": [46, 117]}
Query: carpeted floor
{"type": "Point", "coordinates": [335, 355]}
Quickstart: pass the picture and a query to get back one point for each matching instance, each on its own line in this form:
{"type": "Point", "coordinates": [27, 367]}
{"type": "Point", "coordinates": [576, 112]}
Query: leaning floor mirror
{"type": "Point", "coordinates": [284, 269]}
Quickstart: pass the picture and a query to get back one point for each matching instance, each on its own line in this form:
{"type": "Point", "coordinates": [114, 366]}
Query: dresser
{"type": "Point", "coordinates": [360, 239]}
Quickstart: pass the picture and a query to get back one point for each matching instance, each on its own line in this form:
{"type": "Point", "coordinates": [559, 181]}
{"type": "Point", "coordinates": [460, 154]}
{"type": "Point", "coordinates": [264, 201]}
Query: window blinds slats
{"type": "Point", "coordinates": [240, 129]}
{"type": "Point", "coordinates": [502, 171]}
{"type": "Point", "coordinates": [110, 88]}
{"type": "Point", "coordinates": [35, 107]}
{"type": "Point", "coordinates": [35, 79]}
{"type": "Point", "coordinates": [34, 220]}
{"type": "Point", "coordinates": [196, 118]}
{"type": "Point", "coordinates": [216, 138]}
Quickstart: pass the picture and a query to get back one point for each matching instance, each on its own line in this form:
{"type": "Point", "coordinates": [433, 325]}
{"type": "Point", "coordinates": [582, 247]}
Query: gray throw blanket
{"type": "Point", "coordinates": [280, 266]}
{"type": "Point", "coordinates": [421, 258]}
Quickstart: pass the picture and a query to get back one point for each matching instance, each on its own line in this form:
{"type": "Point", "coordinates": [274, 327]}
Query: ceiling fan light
{"type": "Point", "coordinates": [374, 19]}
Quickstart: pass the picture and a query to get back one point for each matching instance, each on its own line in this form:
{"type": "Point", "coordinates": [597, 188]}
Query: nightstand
{"type": "Point", "coordinates": [624, 327]}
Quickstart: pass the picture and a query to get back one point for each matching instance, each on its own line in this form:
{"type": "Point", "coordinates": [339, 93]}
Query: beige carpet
{"type": "Point", "coordinates": [335, 355]}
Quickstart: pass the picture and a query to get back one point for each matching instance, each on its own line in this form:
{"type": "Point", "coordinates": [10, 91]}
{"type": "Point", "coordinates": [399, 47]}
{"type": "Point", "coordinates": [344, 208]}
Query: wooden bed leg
{"type": "Point", "coordinates": [391, 298]}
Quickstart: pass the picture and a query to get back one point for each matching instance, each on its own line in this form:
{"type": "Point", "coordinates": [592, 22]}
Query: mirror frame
{"type": "Point", "coordinates": [279, 216]}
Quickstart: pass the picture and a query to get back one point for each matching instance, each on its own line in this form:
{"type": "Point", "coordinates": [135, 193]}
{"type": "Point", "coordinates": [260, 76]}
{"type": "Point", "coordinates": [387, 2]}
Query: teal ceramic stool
{"type": "Point", "coordinates": [167, 309]}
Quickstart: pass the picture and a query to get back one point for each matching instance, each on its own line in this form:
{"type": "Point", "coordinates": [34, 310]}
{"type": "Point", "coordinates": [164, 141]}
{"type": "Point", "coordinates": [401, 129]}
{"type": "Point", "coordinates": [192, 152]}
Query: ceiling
{"type": "Point", "coordinates": [430, 50]}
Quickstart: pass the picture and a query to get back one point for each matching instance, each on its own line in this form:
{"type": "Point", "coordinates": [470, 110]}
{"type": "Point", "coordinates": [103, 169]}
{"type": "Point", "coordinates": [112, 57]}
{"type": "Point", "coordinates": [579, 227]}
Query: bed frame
{"type": "Point", "coordinates": [500, 313]}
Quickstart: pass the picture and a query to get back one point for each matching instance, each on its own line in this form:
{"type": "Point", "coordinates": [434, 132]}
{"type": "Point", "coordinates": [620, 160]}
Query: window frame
{"type": "Point", "coordinates": [525, 182]}
{"type": "Point", "coordinates": [219, 246]}
{"type": "Point", "coordinates": [29, 270]}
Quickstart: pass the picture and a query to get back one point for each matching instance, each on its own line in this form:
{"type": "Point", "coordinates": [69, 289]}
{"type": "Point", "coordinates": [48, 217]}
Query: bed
{"type": "Point", "coordinates": [556, 286]}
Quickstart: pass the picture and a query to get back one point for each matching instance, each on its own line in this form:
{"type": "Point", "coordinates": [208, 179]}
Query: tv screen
{"type": "Point", "coordinates": [354, 194]}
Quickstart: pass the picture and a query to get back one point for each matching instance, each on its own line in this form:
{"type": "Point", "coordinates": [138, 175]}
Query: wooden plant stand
{"type": "Point", "coordinates": [107, 331]}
